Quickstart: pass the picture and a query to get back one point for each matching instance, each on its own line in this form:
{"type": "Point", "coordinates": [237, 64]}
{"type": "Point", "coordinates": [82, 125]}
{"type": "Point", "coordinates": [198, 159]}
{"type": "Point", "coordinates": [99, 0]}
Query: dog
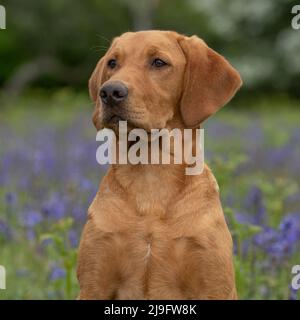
{"type": "Point", "coordinates": [152, 231]}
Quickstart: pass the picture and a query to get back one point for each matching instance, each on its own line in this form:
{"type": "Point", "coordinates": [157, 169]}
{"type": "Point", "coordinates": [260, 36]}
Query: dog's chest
{"type": "Point", "coordinates": [151, 188]}
{"type": "Point", "coordinates": [158, 239]}
{"type": "Point", "coordinates": [157, 262]}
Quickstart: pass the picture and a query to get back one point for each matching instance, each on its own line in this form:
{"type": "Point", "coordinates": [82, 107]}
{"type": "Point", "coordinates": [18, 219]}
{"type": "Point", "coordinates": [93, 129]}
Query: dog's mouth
{"type": "Point", "coordinates": [112, 119]}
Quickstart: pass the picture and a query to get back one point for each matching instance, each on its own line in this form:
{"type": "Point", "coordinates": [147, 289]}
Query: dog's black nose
{"type": "Point", "coordinates": [113, 93]}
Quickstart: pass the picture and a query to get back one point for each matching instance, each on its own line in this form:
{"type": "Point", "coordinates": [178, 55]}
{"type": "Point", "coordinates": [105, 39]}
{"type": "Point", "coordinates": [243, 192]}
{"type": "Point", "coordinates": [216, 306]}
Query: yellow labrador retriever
{"type": "Point", "coordinates": [154, 232]}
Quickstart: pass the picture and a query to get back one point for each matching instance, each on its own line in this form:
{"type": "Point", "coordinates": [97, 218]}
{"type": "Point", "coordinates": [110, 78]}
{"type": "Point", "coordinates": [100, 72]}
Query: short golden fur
{"type": "Point", "coordinates": [152, 231]}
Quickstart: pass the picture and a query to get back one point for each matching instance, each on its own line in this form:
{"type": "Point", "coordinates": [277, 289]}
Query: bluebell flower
{"type": "Point", "coordinates": [43, 155]}
{"type": "Point", "coordinates": [293, 199]}
{"type": "Point", "coordinates": [30, 234]}
{"type": "Point", "coordinates": [73, 238]}
{"type": "Point", "coordinates": [283, 241]}
{"type": "Point", "coordinates": [57, 273]}
{"type": "Point", "coordinates": [55, 207]}
{"type": "Point", "coordinates": [79, 213]}
{"type": "Point", "coordinates": [290, 230]}
{"type": "Point", "coordinates": [279, 156]}
{"type": "Point", "coordinates": [10, 198]}
{"type": "Point", "coordinates": [47, 242]}
{"type": "Point", "coordinates": [230, 200]}
{"type": "Point", "coordinates": [245, 218]}
{"type": "Point", "coordinates": [290, 224]}
{"type": "Point", "coordinates": [293, 293]}
{"type": "Point", "coordinates": [278, 249]}
{"type": "Point", "coordinates": [265, 238]}
{"type": "Point", "coordinates": [219, 129]}
{"type": "Point", "coordinates": [86, 184]}
{"type": "Point", "coordinates": [264, 290]}
{"type": "Point", "coordinates": [254, 134]}
{"type": "Point", "coordinates": [255, 204]}
{"type": "Point", "coordinates": [31, 218]}
{"type": "Point", "coordinates": [5, 230]}
{"type": "Point", "coordinates": [22, 272]}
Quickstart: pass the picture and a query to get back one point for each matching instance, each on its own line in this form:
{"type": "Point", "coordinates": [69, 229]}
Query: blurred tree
{"type": "Point", "coordinates": [142, 12]}
{"type": "Point", "coordinates": [258, 37]}
{"type": "Point", "coordinates": [52, 41]}
{"type": "Point", "coordinates": [48, 43]}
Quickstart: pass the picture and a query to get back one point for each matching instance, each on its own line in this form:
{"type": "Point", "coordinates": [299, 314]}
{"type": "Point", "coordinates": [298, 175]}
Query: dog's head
{"type": "Point", "coordinates": [159, 79]}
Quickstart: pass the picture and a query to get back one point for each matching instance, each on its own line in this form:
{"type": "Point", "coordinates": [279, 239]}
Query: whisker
{"type": "Point", "coordinates": [136, 112]}
{"type": "Point", "coordinates": [98, 49]}
{"type": "Point", "coordinates": [103, 38]}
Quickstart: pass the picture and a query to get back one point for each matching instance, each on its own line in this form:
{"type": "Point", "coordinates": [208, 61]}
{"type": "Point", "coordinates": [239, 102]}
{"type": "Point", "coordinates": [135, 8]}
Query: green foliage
{"type": "Point", "coordinates": [256, 36]}
{"type": "Point", "coordinates": [61, 250]}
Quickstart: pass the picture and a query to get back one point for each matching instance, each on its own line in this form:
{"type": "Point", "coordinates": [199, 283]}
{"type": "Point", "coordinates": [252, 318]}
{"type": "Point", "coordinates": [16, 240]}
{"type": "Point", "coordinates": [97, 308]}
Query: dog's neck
{"type": "Point", "coordinates": [157, 185]}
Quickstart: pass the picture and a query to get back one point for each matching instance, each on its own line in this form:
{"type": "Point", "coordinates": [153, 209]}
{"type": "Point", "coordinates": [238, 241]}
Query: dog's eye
{"type": "Point", "coordinates": [112, 63]}
{"type": "Point", "coordinates": [158, 63]}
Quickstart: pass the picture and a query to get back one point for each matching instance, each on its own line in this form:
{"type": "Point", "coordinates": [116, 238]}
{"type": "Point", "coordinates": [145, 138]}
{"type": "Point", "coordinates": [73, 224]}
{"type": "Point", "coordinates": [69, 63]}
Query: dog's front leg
{"type": "Point", "coordinates": [96, 270]}
{"type": "Point", "coordinates": [111, 262]}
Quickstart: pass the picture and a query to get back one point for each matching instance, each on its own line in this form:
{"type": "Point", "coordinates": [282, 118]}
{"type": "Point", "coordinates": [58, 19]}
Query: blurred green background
{"type": "Point", "coordinates": [55, 43]}
{"type": "Point", "coordinates": [49, 174]}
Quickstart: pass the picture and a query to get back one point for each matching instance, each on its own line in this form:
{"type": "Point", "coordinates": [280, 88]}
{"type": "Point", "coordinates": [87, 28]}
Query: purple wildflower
{"type": "Point", "coordinates": [245, 218]}
{"type": "Point", "coordinates": [254, 203]}
{"type": "Point", "coordinates": [86, 184]}
{"type": "Point", "coordinates": [47, 242]}
{"type": "Point", "coordinates": [10, 198]}
{"type": "Point", "coordinates": [30, 234]}
{"type": "Point", "coordinates": [281, 242]}
{"type": "Point", "coordinates": [31, 218]}
{"type": "Point", "coordinates": [73, 238]}
{"type": "Point", "coordinates": [57, 273]}
{"type": "Point", "coordinates": [293, 293]}
{"type": "Point", "coordinates": [279, 156]}
{"type": "Point", "coordinates": [22, 272]}
{"type": "Point", "coordinates": [79, 213]}
{"type": "Point", "coordinates": [266, 237]}
{"type": "Point", "coordinates": [5, 230]}
{"type": "Point", "coordinates": [55, 207]}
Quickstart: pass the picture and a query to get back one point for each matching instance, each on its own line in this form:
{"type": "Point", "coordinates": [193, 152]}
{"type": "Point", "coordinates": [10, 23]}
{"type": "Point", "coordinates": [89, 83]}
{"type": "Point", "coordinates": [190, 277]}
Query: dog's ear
{"type": "Point", "coordinates": [95, 83]}
{"type": "Point", "coordinates": [96, 80]}
{"type": "Point", "coordinates": [209, 81]}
